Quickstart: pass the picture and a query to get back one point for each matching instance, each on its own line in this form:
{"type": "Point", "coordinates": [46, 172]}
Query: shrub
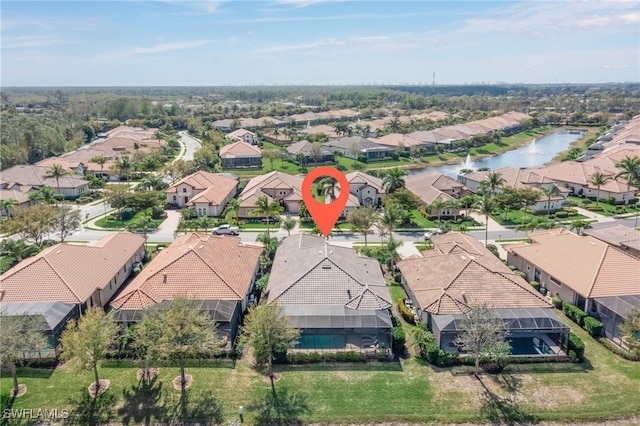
{"type": "Point", "coordinates": [83, 200]}
{"type": "Point", "coordinates": [493, 249]}
{"type": "Point", "coordinates": [521, 274]}
{"type": "Point", "coordinates": [557, 302]}
{"type": "Point", "coordinates": [405, 312]}
{"type": "Point", "coordinates": [535, 285]}
{"type": "Point", "coordinates": [611, 201]}
{"type": "Point", "coordinates": [572, 212]}
{"type": "Point", "coordinates": [157, 212]}
{"type": "Point", "coordinates": [127, 213]}
{"type": "Point", "coordinates": [399, 339]}
{"type": "Point", "coordinates": [576, 345]}
{"type": "Point", "coordinates": [574, 313]}
{"type": "Point", "coordinates": [362, 158]}
{"type": "Point", "coordinates": [395, 156]}
{"type": "Point", "coordinates": [562, 214]}
{"type": "Point", "coordinates": [330, 357]}
{"type": "Point", "coordinates": [513, 267]}
{"type": "Point", "coordinates": [593, 326]}
{"type": "Point", "coordinates": [631, 356]}
{"type": "Point", "coordinates": [314, 357]}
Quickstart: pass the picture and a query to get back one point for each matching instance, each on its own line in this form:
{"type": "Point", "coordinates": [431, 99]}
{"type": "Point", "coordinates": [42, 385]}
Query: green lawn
{"type": "Point", "coordinates": [604, 386]}
{"type": "Point", "coordinates": [516, 217]}
{"type": "Point", "coordinates": [107, 222]}
{"type": "Point", "coordinates": [607, 209]}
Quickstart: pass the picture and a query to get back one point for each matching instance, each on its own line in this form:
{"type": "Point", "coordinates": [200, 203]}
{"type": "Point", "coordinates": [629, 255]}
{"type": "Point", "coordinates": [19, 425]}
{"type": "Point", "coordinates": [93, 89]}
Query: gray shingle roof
{"type": "Point", "coordinates": [309, 271]}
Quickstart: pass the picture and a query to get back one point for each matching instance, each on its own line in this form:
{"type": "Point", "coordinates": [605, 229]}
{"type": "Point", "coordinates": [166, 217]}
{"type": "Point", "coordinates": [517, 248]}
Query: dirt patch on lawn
{"type": "Point", "coordinates": [104, 385]}
{"type": "Point", "coordinates": [22, 389]}
{"type": "Point", "coordinates": [188, 378]}
{"type": "Point", "coordinates": [553, 396]}
{"type": "Point", "coordinates": [152, 374]}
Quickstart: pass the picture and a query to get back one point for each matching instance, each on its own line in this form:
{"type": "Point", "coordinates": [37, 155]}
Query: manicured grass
{"type": "Point", "coordinates": [516, 217]}
{"type": "Point", "coordinates": [607, 209]}
{"type": "Point", "coordinates": [421, 221]}
{"type": "Point", "coordinates": [107, 222]}
{"type": "Point", "coordinates": [603, 387]}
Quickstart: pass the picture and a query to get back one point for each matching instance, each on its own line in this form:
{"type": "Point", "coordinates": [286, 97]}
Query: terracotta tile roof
{"type": "Point", "coordinates": [19, 196]}
{"type": "Point", "coordinates": [587, 265]}
{"type": "Point", "coordinates": [432, 186]}
{"type": "Point", "coordinates": [210, 187]}
{"type": "Point", "coordinates": [363, 178]}
{"type": "Point", "coordinates": [397, 140]}
{"type": "Point", "coordinates": [307, 270]}
{"type": "Point", "coordinates": [240, 149]}
{"type": "Point", "coordinates": [460, 272]}
{"type": "Point", "coordinates": [323, 128]}
{"type": "Point", "coordinates": [580, 173]}
{"type": "Point", "coordinates": [29, 175]}
{"type": "Point", "coordinates": [199, 266]}
{"type": "Point", "coordinates": [304, 147]}
{"type": "Point", "coordinates": [275, 179]}
{"type": "Point", "coordinates": [427, 136]}
{"type": "Point", "coordinates": [69, 273]}
{"type": "Point", "coordinates": [239, 134]}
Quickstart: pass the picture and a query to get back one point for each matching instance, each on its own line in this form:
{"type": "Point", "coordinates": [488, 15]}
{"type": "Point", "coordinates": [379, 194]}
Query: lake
{"type": "Point", "coordinates": [534, 154]}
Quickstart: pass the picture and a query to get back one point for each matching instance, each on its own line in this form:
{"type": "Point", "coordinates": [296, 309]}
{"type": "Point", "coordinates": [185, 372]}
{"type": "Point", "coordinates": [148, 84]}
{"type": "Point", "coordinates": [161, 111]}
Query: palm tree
{"type": "Point", "coordinates": [494, 181]}
{"type": "Point", "coordinates": [393, 180]}
{"type": "Point", "coordinates": [152, 182]}
{"type": "Point", "coordinates": [100, 159]}
{"type": "Point", "coordinates": [549, 192]}
{"type": "Point", "coordinates": [329, 186]}
{"type": "Point", "coordinates": [598, 179]}
{"type": "Point", "coordinates": [123, 166]}
{"type": "Point", "coordinates": [288, 224]}
{"type": "Point", "coordinates": [630, 170]}
{"type": "Point", "coordinates": [438, 205]}
{"type": "Point", "coordinates": [6, 205]}
{"type": "Point", "coordinates": [232, 209]}
{"type": "Point", "coordinates": [391, 217]}
{"type": "Point", "coordinates": [56, 171]}
{"type": "Point", "coordinates": [264, 207]}
{"type": "Point", "coordinates": [485, 206]}
{"type": "Point", "coordinates": [46, 194]}
{"type": "Point", "coordinates": [579, 225]}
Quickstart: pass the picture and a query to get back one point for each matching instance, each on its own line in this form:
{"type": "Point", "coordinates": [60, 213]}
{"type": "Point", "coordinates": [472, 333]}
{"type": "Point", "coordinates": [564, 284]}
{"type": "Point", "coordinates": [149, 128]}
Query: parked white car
{"type": "Point", "coordinates": [226, 229]}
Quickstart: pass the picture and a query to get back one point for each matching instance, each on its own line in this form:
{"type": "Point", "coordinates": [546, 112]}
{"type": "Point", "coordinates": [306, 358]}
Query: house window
{"type": "Point", "coordinates": [555, 281]}
{"type": "Point", "coordinates": [175, 199]}
{"type": "Point", "coordinates": [184, 189]}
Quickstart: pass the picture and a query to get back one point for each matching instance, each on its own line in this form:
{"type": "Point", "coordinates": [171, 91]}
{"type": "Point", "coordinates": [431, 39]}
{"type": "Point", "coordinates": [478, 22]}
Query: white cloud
{"type": "Point", "coordinates": [21, 42]}
{"type": "Point", "coordinates": [158, 48]}
{"type": "Point", "coordinates": [301, 46]}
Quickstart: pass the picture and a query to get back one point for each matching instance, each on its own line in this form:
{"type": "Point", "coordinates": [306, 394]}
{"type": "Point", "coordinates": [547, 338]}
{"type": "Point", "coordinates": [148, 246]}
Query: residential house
{"type": "Point", "coordinates": [208, 193]}
{"type": "Point", "coordinates": [219, 271]}
{"type": "Point", "coordinates": [324, 129]}
{"type": "Point", "coordinates": [576, 176]}
{"type": "Point", "coordinates": [336, 297]}
{"type": "Point", "coordinates": [366, 188]}
{"type": "Point", "coordinates": [64, 280]}
{"type": "Point", "coordinates": [239, 155]}
{"type": "Point", "coordinates": [305, 151]}
{"type": "Point", "coordinates": [243, 135]}
{"type": "Point", "coordinates": [460, 274]}
{"type": "Point", "coordinates": [582, 270]}
{"type": "Point", "coordinates": [276, 185]}
{"type": "Point", "coordinates": [27, 177]}
{"type": "Point", "coordinates": [617, 235]}
{"type": "Point", "coordinates": [356, 146]}
{"type": "Point", "coordinates": [433, 186]}
{"type": "Point", "coordinates": [401, 142]}
{"type": "Point", "coordinates": [522, 178]}
{"type": "Point", "coordinates": [20, 198]}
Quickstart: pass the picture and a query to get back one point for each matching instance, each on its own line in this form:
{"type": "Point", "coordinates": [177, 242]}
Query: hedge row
{"type": "Point", "coordinates": [405, 312]}
{"type": "Point", "coordinates": [574, 313]}
{"type": "Point", "coordinates": [576, 348]}
{"type": "Point", "coordinates": [593, 326]}
{"type": "Point", "coordinates": [630, 356]}
{"type": "Point", "coordinates": [577, 315]}
{"type": "Point", "coordinates": [315, 357]}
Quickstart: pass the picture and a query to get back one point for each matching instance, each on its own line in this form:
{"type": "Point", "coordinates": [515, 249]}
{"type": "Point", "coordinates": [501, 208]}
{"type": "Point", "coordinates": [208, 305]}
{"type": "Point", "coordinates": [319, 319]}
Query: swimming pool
{"type": "Point", "coordinates": [529, 346]}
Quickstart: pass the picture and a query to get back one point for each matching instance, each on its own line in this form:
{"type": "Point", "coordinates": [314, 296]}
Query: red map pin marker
{"type": "Point", "coordinates": [325, 215]}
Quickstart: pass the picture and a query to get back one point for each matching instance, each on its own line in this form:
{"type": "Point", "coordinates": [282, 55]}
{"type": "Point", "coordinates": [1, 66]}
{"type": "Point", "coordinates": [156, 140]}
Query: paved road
{"type": "Point", "coordinates": [192, 145]}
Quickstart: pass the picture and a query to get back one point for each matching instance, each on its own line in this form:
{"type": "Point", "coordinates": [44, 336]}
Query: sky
{"type": "Point", "coordinates": [316, 42]}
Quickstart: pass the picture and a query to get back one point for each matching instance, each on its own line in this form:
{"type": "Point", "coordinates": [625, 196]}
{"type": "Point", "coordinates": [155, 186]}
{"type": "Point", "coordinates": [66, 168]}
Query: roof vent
{"type": "Point", "coordinates": [592, 243]}
{"type": "Point", "coordinates": [320, 252]}
{"type": "Point", "coordinates": [58, 251]}
{"type": "Point", "coordinates": [190, 247]}
{"type": "Point", "coordinates": [330, 251]}
{"type": "Point", "coordinates": [164, 278]}
{"type": "Point", "coordinates": [464, 296]}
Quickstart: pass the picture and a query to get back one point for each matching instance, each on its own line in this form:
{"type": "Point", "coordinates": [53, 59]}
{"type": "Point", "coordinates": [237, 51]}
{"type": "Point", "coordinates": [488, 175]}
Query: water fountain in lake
{"type": "Point", "coordinates": [455, 169]}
